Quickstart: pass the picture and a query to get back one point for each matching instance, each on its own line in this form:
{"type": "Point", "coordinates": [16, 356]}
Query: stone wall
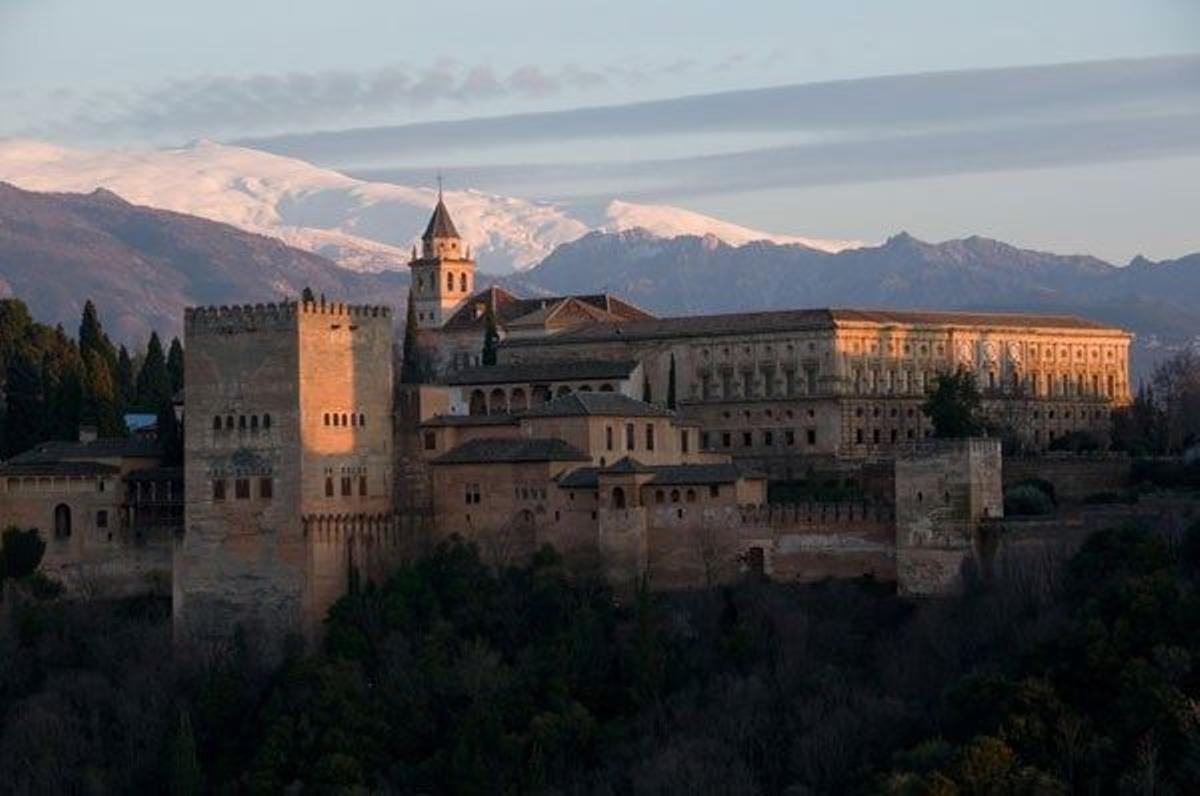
{"type": "Point", "coordinates": [1074, 477]}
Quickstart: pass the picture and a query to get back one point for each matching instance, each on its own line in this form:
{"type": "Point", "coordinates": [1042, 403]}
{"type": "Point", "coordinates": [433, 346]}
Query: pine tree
{"type": "Point", "coordinates": [175, 365]}
{"type": "Point", "coordinates": [491, 340]}
{"type": "Point", "coordinates": [153, 381]}
{"type": "Point", "coordinates": [410, 366]}
{"type": "Point", "coordinates": [23, 400]}
{"type": "Point", "coordinates": [955, 406]}
{"type": "Point", "coordinates": [126, 387]}
{"type": "Point", "coordinates": [671, 385]}
{"type": "Point", "coordinates": [93, 338]}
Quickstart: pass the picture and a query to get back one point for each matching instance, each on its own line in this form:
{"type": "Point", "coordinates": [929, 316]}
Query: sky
{"type": "Point", "coordinates": [850, 119]}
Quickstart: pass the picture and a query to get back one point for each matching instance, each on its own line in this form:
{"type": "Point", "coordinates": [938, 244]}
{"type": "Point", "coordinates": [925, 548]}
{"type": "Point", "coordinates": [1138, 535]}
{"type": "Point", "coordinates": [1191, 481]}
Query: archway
{"type": "Point", "coordinates": [518, 403]}
{"type": "Point", "coordinates": [62, 521]}
{"type": "Point", "coordinates": [478, 403]}
{"type": "Point", "coordinates": [497, 402]}
{"type": "Point", "coordinates": [618, 496]}
{"type": "Point", "coordinates": [563, 390]}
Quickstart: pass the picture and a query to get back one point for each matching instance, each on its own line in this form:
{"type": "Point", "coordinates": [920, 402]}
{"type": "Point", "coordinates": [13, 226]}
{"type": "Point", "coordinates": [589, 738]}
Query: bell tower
{"type": "Point", "coordinates": [443, 276]}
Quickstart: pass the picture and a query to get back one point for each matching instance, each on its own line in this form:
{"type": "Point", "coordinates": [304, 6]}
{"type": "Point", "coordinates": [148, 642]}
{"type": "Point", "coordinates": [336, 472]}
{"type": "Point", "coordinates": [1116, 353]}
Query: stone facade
{"type": "Point", "coordinates": [289, 416]}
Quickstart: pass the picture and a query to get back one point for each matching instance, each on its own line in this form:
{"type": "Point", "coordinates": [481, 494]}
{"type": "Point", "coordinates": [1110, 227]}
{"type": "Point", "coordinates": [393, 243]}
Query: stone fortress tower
{"type": "Point", "coordinates": [288, 429]}
{"type": "Point", "coordinates": [443, 277]}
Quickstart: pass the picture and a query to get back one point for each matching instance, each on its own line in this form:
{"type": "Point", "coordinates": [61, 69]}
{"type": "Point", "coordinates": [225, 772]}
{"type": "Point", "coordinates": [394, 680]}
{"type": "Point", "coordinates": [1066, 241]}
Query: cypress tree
{"type": "Point", "coordinates": [126, 387]}
{"type": "Point", "coordinates": [491, 340]}
{"type": "Point", "coordinates": [93, 338]}
{"type": "Point", "coordinates": [23, 402]}
{"type": "Point", "coordinates": [100, 398]}
{"type": "Point", "coordinates": [153, 381]}
{"type": "Point", "coordinates": [175, 365]}
{"type": "Point", "coordinates": [671, 384]}
{"type": "Point", "coordinates": [410, 366]}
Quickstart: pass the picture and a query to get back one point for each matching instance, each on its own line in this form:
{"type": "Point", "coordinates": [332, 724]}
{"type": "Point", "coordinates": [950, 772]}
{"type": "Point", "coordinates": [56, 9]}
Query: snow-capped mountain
{"type": "Point", "coordinates": [664, 221]}
{"type": "Point", "coordinates": [361, 225]}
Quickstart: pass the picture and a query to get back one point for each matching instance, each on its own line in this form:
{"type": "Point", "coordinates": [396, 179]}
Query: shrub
{"type": "Point", "coordinates": [1026, 500]}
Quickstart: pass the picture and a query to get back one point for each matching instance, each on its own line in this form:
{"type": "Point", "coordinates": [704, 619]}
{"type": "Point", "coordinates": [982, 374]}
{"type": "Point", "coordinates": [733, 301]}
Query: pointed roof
{"type": "Point", "coordinates": [440, 225]}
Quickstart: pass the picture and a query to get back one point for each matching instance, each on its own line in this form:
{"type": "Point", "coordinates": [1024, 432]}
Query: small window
{"type": "Point", "coordinates": [630, 442]}
{"type": "Point", "coordinates": [266, 421]}
{"type": "Point", "coordinates": [810, 436]}
{"type": "Point", "coordinates": [241, 422]}
{"type": "Point", "coordinates": [217, 423]}
{"type": "Point", "coordinates": [674, 495]}
{"type": "Point", "coordinates": [254, 422]}
{"type": "Point", "coordinates": [649, 436]}
{"type": "Point", "coordinates": [218, 486]}
{"type": "Point", "coordinates": [691, 496]}
{"type": "Point", "coordinates": [714, 490]}
{"type": "Point", "coordinates": [346, 486]}
{"type": "Point", "coordinates": [266, 488]}
{"type": "Point", "coordinates": [326, 418]}
{"type": "Point", "coordinates": [101, 519]}
{"type": "Point", "coordinates": [362, 486]}
{"type": "Point", "coordinates": [726, 439]}
{"type": "Point", "coordinates": [430, 441]}
{"type": "Point", "coordinates": [353, 419]}
{"type": "Point", "coordinates": [362, 419]}
{"type": "Point", "coordinates": [241, 488]}
{"type": "Point", "coordinates": [328, 487]}
{"type": "Point", "coordinates": [344, 423]}
{"type": "Point", "coordinates": [768, 438]}
{"type": "Point", "coordinates": [608, 438]}
{"type": "Point", "coordinates": [659, 497]}
{"type": "Point", "coordinates": [683, 441]}
{"type": "Point", "coordinates": [747, 440]}
{"type": "Point", "coordinates": [229, 422]}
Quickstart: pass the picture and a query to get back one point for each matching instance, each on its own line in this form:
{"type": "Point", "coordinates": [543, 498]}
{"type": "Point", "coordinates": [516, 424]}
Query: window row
{"type": "Point", "coordinates": [242, 490]}
{"type": "Point", "coordinates": [769, 438]}
{"type": "Point", "coordinates": [243, 422]}
{"type": "Point", "coordinates": [345, 419]}
{"type": "Point", "coordinates": [347, 486]}
{"type": "Point", "coordinates": [893, 435]}
{"type": "Point", "coordinates": [631, 436]}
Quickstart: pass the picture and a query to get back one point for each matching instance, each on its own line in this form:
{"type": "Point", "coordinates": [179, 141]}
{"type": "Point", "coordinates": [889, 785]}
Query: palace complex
{"type": "Point", "coordinates": [672, 449]}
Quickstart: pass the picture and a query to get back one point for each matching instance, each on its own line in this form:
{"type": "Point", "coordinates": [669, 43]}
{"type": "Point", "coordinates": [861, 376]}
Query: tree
{"type": "Point", "coordinates": [491, 339]}
{"type": "Point", "coordinates": [20, 552]}
{"type": "Point", "coordinates": [185, 775]}
{"type": "Point", "coordinates": [23, 401]}
{"type": "Point", "coordinates": [175, 366]}
{"type": "Point", "coordinates": [1177, 390]}
{"type": "Point", "coordinates": [100, 397]}
{"type": "Point", "coordinates": [153, 381]}
{"type": "Point", "coordinates": [410, 364]}
{"type": "Point", "coordinates": [62, 383]}
{"type": "Point", "coordinates": [93, 338]}
{"type": "Point", "coordinates": [671, 402]}
{"type": "Point", "coordinates": [126, 386]}
{"type": "Point", "coordinates": [955, 406]}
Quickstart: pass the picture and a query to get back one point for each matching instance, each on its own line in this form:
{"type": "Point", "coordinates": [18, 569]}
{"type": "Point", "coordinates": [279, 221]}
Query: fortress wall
{"type": "Point", "coordinates": [1074, 477]}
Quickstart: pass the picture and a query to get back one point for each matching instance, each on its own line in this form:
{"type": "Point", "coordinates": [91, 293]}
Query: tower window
{"type": "Point", "coordinates": [450, 282]}
{"type": "Point", "coordinates": [345, 486]}
{"type": "Point", "coordinates": [266, 488]}
{"type": "Point", "coordinates": [462, 282]}
{"type": "Point", "coordinates": [217, 423]}
{"type": "Point", "coordinates": [241, 488]}
{"type": "Point", "coordinates": [266, 421]}
{"type": "Point", "coordinates": [218, 490]}
{"type": "Point", "coordinates": [328, 486]}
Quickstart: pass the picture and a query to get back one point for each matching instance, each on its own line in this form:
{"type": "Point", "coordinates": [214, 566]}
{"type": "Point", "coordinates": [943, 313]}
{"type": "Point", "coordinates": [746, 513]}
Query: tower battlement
{"type": "Point", "coordinates": [226, 319]}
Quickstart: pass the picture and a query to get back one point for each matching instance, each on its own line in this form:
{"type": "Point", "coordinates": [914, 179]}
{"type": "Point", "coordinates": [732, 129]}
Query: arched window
{"type": "Point", "coordinates": [462, 282]}
{"type": "Point", "coordinates": [563, 390]}
{"type": "Point", "coordinates": [659, 497]}
{"type": "Point", "coordinates": [326, 418]}
{"type": "Point", "coordinates": [337, 420]}
{"type": "Point", "coordinates": [618, 495]}
{"type": "Point", "coordinates": [266, 421]}
{"type": "Point", "coordinates": [362, 419]}
{"type": "Point", "coordinates": [241, 422]}
{"type": "Point", "coordinates": [353, 419]}
{"type": "Point", "coordinates": [328, 486]}
{"type": "Point", "coordinates": [254, 422]}
{"type": "Point", "coordinates": [217, 423]}
{"type": "Point", "coordinates": [450, 282]}
{"type": "Point", "coordinates": [691, 496]}
{"type": "Point", "coordinates": [229, 422]}
{"type": "Point", "coordinates": [606, 387]}
{"type": "Point", "coordinates": [674, 495]}
{"type": "Point", "coordinates": [518, 403]}
{"type": "Point", "coordinates": [344, 423]}
{"type": "Point", "coordinates": [497, 402]}
{"type": "Point", "coordinates": [62, 521]}
{"type": "Point", "coordinates": [478, 403]}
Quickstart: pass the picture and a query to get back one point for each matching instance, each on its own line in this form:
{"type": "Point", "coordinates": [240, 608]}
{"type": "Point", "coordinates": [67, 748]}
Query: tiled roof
{"type": "Point", "coordinates": [470, 420]}
{"type": "Point", "coordinates": [542, 371]}
{"type": "Point", "coordinates": [155, 474]}
{"type": "Point", "coordinates": [798, 320]}
{"type": "Point", "coordinates": [70, 468]}
{"type": "Point", "coordinates": [603, 404]}
{"type": "Point", "coordinates": [662, 475]}
{"type": "Point", "coordinates": [512, 450]}
{"type": "Point", "coordinates": [121, 447]}
{"type": "Point", "coordinates": [509, 308]}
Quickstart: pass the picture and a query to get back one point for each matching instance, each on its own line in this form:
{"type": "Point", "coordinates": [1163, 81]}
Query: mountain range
{"type": "Point", "coordinates": [361, 225]}
{"type": "Point", "coordinates": [142, 263]}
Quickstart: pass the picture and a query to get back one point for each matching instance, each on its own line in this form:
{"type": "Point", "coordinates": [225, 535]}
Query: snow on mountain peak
{"type": "Point", "coordinates": [666, 221]}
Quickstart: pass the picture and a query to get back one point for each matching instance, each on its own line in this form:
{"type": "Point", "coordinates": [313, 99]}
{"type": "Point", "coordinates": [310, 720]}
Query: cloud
{"type": "Point", "coordinates": [532, 81]}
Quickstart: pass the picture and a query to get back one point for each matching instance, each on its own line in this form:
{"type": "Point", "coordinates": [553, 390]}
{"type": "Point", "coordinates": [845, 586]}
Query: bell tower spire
{"type": "Point", "coordinates": [444, 275]}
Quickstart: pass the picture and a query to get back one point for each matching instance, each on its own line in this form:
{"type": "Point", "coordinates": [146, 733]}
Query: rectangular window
{"type": "Point", "coordinates": [789, 437]}
{"type": "Point", "coordinates": [608, 437]}
{"type": "Point", "coordinates": [362, 486]}
{"type": "Point", "coordinates": [101, 519]}
{"type": "Point", "coordinates": [683, 441]}
{"type": "Point", "coordinates": [630, 442]}
{"type": "Point", "coordinates": [811, 436]}
{"type": "Point", "coordinates": [703, 440]}
{"type": "Point", "coordinates": [726, 439]}
{"type": "Point", "coordinates": [747, 439]}
{"type": "Point", "coordinates": [714, 490]}
{"type": "Point", "coordinates": [346, 491]}
{"type": "Point", "coordinates": [430, 441]}
{"type": "Point", "coordinates": [241, 488]}
{"type": "Point", "coordinates": [218, 489]}
{"type": "Point", "coordinates": [471, 493]}
{"type": "Point", "coordinates": [768, 438]}
{"type": "Point", "coordinates": [266, 488]}
{"type": "Point", "coordinates": [649, 436]}
{"type": "Point", "coordinates": [328, 487]}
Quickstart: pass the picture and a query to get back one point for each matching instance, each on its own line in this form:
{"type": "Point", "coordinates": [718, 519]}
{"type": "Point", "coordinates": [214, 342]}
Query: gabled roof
{"type": "Point", "coordinates": [542, 371]}
{"type": "Point", "coordinates": [440, 225]}
{"type": "Point", "coordinates": [603, 404]}
{"type": "Point", "coordinates": [512, 450]}
{"type": "Point", "coordinates": [510, 309]}
{"type": "Point", "coordinates": [626, 465]}
{"type": "Point", "coordinates": [120, 447]}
